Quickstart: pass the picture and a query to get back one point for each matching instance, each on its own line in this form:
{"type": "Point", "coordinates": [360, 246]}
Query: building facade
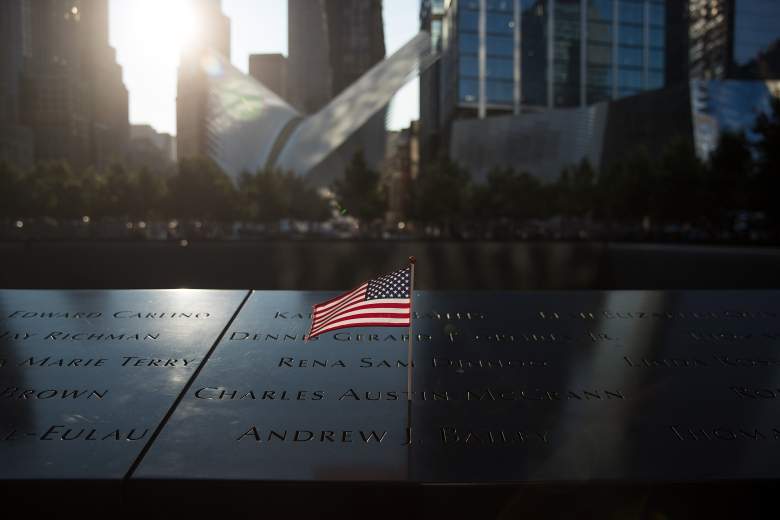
{"type": "Point", "coordinates": [734, 39]}
{"type": "Point", "coordinates": [720, 106]}
{"type": "Point", "coordinates": [509, 55]}
{"type": "Point", "coordinates": [431, 19]}
{"type": "Point", "coordinates": [544, 143]}
{"type": "Point", "coordinates": [331, 43]}
{"type": "Point", "coordinates": [356, 39]}
{"type": "Point", "coordinates": [108, 98]}
{"type": "Point", "coordinates": [514, 56]}
{"type": "Point", "coordinates": [676, 66]}
{"type": "Point", "coordinates": [271, 71]}
{"type": "Point", "coordinates": [586, 78]}
{"type": "Point", "coordinates": [400, 171]}
{"type": "Point", "coordinates": [16, 141]}
{"type": "Point", "coordinates": [150, 148]}
{"type": "Point", "coordinates": [192, 131]}
{"type": "Point", "coordinates": [61, 83]}
{"type": "Point", "coordinates": [55, 98]}
{"type": "Point", "coordinates": [308, 55]}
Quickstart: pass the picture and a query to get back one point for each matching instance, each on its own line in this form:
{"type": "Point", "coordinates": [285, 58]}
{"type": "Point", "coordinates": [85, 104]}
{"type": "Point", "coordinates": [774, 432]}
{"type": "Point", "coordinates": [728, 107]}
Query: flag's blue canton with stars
{"type": "Point", "coordinates": [380, 302]}
{"type": "Point", "coordinates": [393, 285]}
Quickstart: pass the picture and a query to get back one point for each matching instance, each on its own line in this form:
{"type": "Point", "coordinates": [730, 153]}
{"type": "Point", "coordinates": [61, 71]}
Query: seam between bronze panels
{"type": "Point", "coordinates": [184, 390]}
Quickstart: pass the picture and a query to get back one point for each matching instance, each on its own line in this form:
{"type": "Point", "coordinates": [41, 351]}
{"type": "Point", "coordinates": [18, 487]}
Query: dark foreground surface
{"type": "Point", "coordinates": [338, 265]}
{"type": "Point", "coordinates": [610, 404]}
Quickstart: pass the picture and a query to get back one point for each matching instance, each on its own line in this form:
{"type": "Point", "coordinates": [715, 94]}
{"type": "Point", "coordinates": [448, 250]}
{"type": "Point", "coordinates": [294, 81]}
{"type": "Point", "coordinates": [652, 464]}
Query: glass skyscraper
{"type": "Point", "coordinates": [523, 55]}
{"type": "Point", "coordinates": [431, 16]}
{"type": "Point", "coordinates": [734, 39]}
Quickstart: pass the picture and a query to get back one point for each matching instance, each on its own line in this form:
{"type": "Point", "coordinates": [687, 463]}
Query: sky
{"type": "Point", "coordinates": [148, 49]}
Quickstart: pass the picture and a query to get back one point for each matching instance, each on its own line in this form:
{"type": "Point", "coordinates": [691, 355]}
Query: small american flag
{"type": "Point", "coordinates": [380, 302]}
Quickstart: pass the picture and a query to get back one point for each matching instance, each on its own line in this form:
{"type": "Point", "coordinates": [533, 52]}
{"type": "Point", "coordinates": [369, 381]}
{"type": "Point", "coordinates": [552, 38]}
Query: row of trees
{"type": "Point", "coordinates": [676, 187]}
{"type": "Point", "coordinates": [673, 187]}
{"type": "Point", "coordinates": [198, 189]}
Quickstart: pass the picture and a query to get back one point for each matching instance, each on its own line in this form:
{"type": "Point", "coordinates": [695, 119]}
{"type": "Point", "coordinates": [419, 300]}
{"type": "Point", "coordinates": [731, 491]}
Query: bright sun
{"type": "Point", "coordinates": [173, 27]}
{"type": "Point", "coordinates": [149, 36]}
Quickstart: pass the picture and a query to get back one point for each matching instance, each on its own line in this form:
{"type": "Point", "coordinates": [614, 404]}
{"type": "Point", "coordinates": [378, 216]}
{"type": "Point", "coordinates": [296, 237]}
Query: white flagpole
{"type": "Point", "coordinates": [409, 356]}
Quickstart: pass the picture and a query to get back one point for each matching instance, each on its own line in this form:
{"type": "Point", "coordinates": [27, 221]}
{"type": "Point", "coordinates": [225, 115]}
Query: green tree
{"type": "Point", "coordinates": [150, 190]}
{"type": "Point", "coordinates": [677, 193]}
{"type": "Point", "coordinates": [261, 197]}
{"type": "Point", "coordinates": [625, 188]}
{"type": "Point", "coordinates": [575, 191]}
{"type": "Point", "coordinates": [94, 192]}
{"type": "Point", "coordinates": [730, 171]}
{"type": "Point", "coordinates": [247, 197]}
{"type": "Point", "coordinates": [767, 181]}
{"type": "Point", "coordinates": [359, 192]}
{"type": "Point", "coordinates": [666, 189]}
{"type": "Point", "coordinates": [305, 203]}
{"type": "Point", "coordinates": [442, 194]}
{"type": "Point", "coordinates": [271, 195]}
{"type": "Point", "coordinates": [119, 198]}
{"type": "Point", "coordinates": [55, 191]}
{"type": "Point", "coordinates": [513, 195]}
{"type": "Point", "coordinates": [201, 189]}
{"type": "Point", "coordinates": [13, 193]}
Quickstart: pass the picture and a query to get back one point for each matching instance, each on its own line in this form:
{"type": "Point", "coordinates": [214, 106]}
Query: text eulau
{"type": "Point", "coordinates": [59, 432]}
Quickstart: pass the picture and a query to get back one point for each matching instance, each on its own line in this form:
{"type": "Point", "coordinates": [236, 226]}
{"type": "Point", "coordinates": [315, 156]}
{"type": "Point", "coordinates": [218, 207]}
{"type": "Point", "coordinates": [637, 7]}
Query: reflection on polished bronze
{"type": "Point", "coordinates": [87, 376]}
{"type": "Point", "coordinates": [634, 386]}
{"type": "Point", "coordinates": [627, 403]}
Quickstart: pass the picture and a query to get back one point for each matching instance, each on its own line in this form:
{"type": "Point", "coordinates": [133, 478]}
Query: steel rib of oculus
{"type": "Point", "coordinates": [379, 302]}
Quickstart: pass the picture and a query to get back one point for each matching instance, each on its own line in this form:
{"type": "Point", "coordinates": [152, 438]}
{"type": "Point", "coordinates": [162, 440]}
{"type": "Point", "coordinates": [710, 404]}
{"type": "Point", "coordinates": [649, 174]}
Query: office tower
{"type": "Point", "coordinates": [356, 37]}
{"type": "Point", "coordinates": [150, 148]}
{"type": "Point", "coordinates": [271, 71]}
{"type": "Point", "coordinates": [676, 43]}
{"type": "Point", "coordinates": [552, 53]}
{"type": "Point", "coordinates": [331, 44]}
{"type": "Point", "coordinates": [431, 15]}
{"type": "Point", "coordinates": [254, 129]}
{"type": "Point", "coordinates": [107, 94]}
{"type": "Point", "coordinates": [734, 47]}
{"type": "Point", "coordinates": [14, 48]}
{"type": "Point", "coordinates": [734, 39]}
{"type": "Point", "coordinates": [513, 56]}
{"type": "Point", "coordinates": [571, 55]}
{"type": "Point", "coordinates": [16, 141]}
{"type": "Point", "coordinates": [74, 99]}
{"type": "Point", "coordinates": [309, 70]}
{"type": "Point", "coordinates": [192, 90]}
{"type": "Point", "coordinates": [55, 101]}
{"type": "Point", "coordinates": [401, 170]}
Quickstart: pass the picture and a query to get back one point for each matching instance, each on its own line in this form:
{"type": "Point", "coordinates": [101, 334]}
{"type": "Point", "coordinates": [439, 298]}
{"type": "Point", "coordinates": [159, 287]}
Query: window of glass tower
{"type": "Point", "coordinates": [468, 51]}
{"type": "Point", "coordinates": [566, 82]}
{"type": "Point", "coordinates": [755, 28]}
{"type": "Point", "coordinates": [656, 23]}
{"type": "Point", "coordinates": [533, 31]}
{"type": "Point", "coordinates": [599, 41]}
{"type": "Point", "coordinates": [631, 46]}
{"type": "Point", "coordinates": [499, 45]}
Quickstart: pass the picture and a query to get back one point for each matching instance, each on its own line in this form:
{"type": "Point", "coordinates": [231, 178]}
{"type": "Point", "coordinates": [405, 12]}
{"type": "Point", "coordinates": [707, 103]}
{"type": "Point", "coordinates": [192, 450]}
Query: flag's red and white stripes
{"type": "Point", "coordinates": [352, 309]}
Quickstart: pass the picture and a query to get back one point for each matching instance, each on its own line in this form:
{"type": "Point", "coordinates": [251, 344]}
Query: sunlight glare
{"type": "Point", "coordinates": [173, 27]}
{"type": "Point", "coordinates": [190, 28]}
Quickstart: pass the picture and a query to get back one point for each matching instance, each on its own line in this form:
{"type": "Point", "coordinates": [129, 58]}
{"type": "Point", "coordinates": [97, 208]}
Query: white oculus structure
{"type": "Point", "coordinates": [251, 128]}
